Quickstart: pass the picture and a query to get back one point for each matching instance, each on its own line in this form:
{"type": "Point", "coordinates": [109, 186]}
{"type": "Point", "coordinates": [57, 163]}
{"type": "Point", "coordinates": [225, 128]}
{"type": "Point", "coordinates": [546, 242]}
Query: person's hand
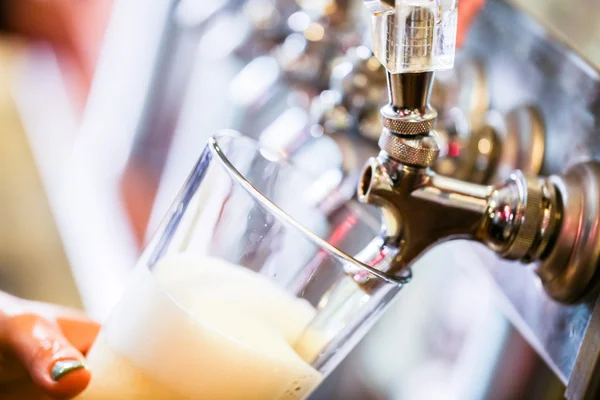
{"type": "Point", "coordinates": [42, 349]}
{"type": "Point", "coordinates": [467, 11]}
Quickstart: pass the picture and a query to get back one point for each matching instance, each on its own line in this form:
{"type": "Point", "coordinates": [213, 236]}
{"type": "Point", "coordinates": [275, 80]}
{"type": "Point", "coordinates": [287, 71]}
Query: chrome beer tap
{"type": "Point", "coordinates": [477, 143]}
{"type": "Point", "coordinates": [551, 221]}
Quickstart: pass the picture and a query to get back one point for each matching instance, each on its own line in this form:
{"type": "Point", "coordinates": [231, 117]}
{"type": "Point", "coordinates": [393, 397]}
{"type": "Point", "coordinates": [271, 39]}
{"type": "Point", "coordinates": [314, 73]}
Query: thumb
{"type": "Point", "coordinates": [54, 365]}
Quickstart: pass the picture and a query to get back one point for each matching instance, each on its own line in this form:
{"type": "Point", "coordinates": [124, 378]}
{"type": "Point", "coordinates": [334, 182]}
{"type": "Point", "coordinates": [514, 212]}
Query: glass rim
{"type": "Point", "coordinates": [238, 177]}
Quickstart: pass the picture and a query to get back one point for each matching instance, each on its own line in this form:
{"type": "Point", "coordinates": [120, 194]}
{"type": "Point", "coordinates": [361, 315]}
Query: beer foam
{"type": "Point", "coordinates": [201, 328]}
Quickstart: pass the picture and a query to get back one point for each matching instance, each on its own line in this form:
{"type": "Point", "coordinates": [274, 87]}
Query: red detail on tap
{"type": "Point", "coordinates": [454, 149]}
{"type": "Point", "coordinates": [507, 214]}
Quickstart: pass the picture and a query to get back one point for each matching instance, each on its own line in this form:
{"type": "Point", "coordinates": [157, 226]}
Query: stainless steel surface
{"type": "Point", "coordinates": [570, 268]}
{"type": "Point", "coordinates": [574, 21]}
{"type": "Point", "coordinates": [351, 104]}
{"type": "Point", "coordinates": [584, 383]}
{"type": "Point", "coordinates": [315, 36]}
{"type": "Point", "coordinates": [523, 136]}
{"type": "Point", "coordinates": [489, 150]}
{"type": "Point", "coordinates": [526, 65]}
{"type": "Point", "coordinates": [465, 87]}
{"type": "Point", "coordinates": [386, 176]}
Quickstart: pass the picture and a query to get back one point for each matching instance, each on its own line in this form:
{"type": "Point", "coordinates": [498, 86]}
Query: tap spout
{"type": "Point", "coordinates": [420, 209]}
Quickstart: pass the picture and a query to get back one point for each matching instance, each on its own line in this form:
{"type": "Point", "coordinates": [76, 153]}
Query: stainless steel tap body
{"type": "Point", "coordinates": [525, 218]}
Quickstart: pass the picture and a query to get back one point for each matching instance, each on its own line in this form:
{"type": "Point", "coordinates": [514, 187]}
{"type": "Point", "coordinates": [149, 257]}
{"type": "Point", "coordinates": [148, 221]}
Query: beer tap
{"type": "Point", "coordinates": [477, 143]}
{"type": "Point", "coordinates": [552, 221]}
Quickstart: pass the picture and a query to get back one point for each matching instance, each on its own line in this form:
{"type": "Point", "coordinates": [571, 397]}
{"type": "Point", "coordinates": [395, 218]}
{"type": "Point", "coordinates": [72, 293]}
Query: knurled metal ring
{"type": "Point", "coordinates": [531, 218]}
{"type": "Point", "coordinates": [407, 127]}
{"type": "Point", "coordinates": [422, 152]}
{"type": "Point", "coordinates": [408, 122]}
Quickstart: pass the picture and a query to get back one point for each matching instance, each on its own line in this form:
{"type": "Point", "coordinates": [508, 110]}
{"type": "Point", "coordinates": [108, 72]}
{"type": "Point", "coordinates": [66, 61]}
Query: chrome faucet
{"type": "Point", "coordinates": [553, 221]}
{"type": "Point", "coordinates": [477, 143]}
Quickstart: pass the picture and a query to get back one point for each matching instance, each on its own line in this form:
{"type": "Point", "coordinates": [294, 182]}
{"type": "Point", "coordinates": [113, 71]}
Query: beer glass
{"type": "Point", "coordinates": [248, 290]}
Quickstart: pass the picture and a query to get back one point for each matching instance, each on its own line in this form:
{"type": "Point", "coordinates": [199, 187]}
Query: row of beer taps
{"type": "Point", "coordinates": [455, 169]}
{"type": "Point", "coordinates": [325, 55]}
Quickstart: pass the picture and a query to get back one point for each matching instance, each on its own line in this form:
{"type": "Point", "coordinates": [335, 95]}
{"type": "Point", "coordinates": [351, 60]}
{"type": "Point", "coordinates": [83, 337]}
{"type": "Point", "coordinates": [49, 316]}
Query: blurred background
{"type": "Point", "coordinates": [105, 107]}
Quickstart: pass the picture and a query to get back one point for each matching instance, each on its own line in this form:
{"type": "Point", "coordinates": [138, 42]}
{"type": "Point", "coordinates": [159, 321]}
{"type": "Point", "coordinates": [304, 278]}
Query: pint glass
{"type": "Point", "coordinates": [247, 291]}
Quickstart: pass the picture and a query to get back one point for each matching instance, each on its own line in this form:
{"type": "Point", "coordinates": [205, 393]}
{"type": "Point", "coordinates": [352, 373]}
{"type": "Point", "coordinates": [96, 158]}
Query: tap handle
{"type": "Point", "coordinates": [414, 35]}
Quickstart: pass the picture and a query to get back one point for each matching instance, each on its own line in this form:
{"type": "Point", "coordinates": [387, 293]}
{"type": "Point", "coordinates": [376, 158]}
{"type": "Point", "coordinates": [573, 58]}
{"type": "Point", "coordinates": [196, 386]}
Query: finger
{"type": "Point", "coordinates": [54, 365]}
{"type": "Point", "coordinates": [80, 332]}
{"type": "Point", "coordinates": [75, 325]}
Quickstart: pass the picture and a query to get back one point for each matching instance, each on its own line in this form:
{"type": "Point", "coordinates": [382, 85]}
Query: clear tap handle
{"type": "Point", "coordinates": [414, 35]}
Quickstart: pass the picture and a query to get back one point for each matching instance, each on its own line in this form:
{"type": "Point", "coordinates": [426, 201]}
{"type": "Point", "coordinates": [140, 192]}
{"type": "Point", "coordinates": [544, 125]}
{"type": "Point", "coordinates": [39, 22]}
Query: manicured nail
{"type": "Point", "coordinates": [63, 367]}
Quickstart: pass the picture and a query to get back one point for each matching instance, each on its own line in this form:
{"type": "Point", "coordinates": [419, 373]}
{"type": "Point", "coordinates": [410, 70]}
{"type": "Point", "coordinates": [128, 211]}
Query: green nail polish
{"type": "Point", "coordinates": [63, 367]}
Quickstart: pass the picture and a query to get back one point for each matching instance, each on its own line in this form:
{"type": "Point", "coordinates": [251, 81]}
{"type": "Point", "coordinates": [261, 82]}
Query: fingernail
{"type": "Point", "coordinates": [63, 367]}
